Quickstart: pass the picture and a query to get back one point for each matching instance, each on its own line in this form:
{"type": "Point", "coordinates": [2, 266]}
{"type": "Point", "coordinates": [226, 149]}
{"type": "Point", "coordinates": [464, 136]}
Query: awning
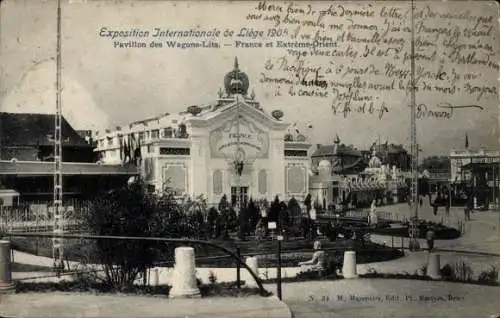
{"type": "Point", "coordinates": [480, 165]}
{"type": "Point", "coordinates": [8, 193]}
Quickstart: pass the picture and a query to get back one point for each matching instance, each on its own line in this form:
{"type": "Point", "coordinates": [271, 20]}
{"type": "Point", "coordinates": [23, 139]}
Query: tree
{"type": "Point", "coordinates": [294, 209]}
{"type": "Point", "coordinates": [253, 214]}
{"type": "Point", "coordinates": [436, 163]}
{"type": "Point", "coordinates": [225, 215]}
{"type": "Point", "coordinates": [274, 210]}
{"type": "Point", "coordinates": [212, 219]}
{"type": "Point", "coordinates": [131, 211]}
{"type": "Point", "coordinates": [283, 217]}
{"type": "Point", "coordinates": [307, 203]}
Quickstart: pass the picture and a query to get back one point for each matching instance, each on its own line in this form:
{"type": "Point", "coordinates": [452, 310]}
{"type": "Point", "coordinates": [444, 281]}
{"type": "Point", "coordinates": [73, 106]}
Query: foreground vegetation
{"type": "Point", "coordinates": [459, 272]}
{"type": "Point", "coordinates": [215, 289]}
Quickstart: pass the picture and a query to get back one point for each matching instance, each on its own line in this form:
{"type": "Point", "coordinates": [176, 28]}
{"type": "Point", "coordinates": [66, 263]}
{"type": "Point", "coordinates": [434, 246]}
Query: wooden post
{"type": "Point", "coordinates": [238, 277]}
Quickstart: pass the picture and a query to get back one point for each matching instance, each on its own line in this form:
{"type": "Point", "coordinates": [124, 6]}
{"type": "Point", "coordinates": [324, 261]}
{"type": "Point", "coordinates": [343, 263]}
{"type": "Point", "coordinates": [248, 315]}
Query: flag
{"type": "Point", "coordinates": [137, 152]}
{"type": "Point", "coordinates": [466, 141]}
{"type": "Point", "coordinates": [131, 148]}
{"type": "Point", "coordinates": [121, 150]}
{"type": "Point", "coordinates": [125, 151]}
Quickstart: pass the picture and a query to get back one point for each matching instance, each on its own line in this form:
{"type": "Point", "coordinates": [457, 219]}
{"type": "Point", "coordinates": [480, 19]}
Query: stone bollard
{"type": "Point", "coordinates": [433, 266]}
{"type": "Point", "coordinates": [253, 263]}
{"type": "Point", "coordinates": [156, 277]}
{"type": "Point", "coordinates": [349, 269]}
{"type": "Point", "coordinates": [6, 285]}
{"type": "Point", "coordinates": [184, 276]}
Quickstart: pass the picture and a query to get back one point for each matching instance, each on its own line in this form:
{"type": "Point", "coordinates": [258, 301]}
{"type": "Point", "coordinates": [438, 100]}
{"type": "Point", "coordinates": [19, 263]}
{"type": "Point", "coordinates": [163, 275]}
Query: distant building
{"type": "Point", "coordinates": [27, 161]}
{"type": "Point", "coordinates": [30, 137]}
{"type": "Point", "coordinates": [476, 172]}
{"type": "Point", "coordinates": [87, 135]}
{"type": "Point", "coordinates": [343, 159]}
{"type": "Point", "coordinates": [391, 155]}
{"type": "Point", "coordinates": [345, 177]}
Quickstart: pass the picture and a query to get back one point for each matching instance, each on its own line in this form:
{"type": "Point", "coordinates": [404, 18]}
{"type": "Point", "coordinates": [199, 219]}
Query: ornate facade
{"type": "Point", "coordinates": [230, 147]}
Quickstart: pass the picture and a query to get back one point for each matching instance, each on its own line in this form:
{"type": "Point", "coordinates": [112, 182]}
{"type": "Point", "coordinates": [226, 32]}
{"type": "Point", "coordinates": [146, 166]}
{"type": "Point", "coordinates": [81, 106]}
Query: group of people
{"type": "Point", "coordinates": [441, 197]}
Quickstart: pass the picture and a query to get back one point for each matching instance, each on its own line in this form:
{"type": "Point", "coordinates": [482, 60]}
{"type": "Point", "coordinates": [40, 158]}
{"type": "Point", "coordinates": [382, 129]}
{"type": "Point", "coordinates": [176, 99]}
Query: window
{"type": "Point", "coordinates": [168, 132]}
{"type": "Point", "coordinates": [151, 149]}
{"type": "Point", "coordinates": [295, 153]}
{"type": "Point", "coordinates": [110, 141]}
{"type": "Point", "coordinates": [155, 134]}
{"type": "Point", "coordinates": [175, 151]}
{"type": "Point", "coordinates": [141, 136]}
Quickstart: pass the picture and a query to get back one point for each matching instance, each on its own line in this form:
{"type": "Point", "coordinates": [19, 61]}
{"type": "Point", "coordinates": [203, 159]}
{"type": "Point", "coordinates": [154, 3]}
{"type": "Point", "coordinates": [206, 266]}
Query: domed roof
{"type": "Point", "coordinates": [236, 81]}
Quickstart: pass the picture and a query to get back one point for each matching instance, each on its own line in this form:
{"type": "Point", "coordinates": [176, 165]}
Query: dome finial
{"type": "Point", "coordinates": [236, 81]}
{"type": "Point", "coordinates": [236, 66]}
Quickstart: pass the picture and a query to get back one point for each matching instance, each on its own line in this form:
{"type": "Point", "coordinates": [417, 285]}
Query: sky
{"type": "Point", "coordinates": [105, 87]}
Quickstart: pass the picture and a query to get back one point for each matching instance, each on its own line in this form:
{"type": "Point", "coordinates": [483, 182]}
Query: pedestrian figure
{"type": "Point", "coordinates": [468, 207]}
{"type": "Point", "coordinates": [434, 202]}
{"type": "Point", "coordinates": [372, 217]}
{"type": "Point", "coordinates": [447, 204]}
{"type": "Point", "coordinates": [317, 263]}
{"type": "Point", "coordinates": [430, 239]}
{"type": "Point", "coordinates": [421, 201]}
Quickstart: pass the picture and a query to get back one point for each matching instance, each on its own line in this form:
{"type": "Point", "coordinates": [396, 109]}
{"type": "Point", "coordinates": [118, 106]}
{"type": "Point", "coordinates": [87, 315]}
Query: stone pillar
{"type": "Point", "coordinates": [253, 263]}
{"type": "Point", "coordinates": [433, 266]}
{"type": "Point", "coordinates": [349, 269]}
{"type": "Point", "coordinates": [6, 285]}
{"type": "Point", "coordinates": [156, 277]}
{"type": "Point", "coordinates": [184, 276]}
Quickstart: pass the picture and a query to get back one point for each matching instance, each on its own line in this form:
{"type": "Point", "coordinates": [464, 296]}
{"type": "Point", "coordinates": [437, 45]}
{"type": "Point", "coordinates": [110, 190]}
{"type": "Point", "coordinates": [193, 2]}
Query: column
{"type": "Point", "coordinates": [6, 285]}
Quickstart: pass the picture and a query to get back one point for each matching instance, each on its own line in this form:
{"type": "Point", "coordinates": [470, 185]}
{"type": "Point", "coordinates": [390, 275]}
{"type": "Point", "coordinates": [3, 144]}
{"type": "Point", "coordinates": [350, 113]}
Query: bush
{"type": "Point", "coordinates": [463, 272]}
{"type": "Point", "coordinates": [489, 276]}
{"type": "Point", "coordinates": [447, 272]}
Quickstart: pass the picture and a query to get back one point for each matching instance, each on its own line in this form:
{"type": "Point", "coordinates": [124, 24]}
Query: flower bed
{"type": "Point", "coordinates": [442, 232]}
{"type": "Point", "coordinates": [206, 290]}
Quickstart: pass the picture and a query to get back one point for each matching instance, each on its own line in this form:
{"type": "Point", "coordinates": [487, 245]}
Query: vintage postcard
{"type": "Point", "coordinates": [249, 158]}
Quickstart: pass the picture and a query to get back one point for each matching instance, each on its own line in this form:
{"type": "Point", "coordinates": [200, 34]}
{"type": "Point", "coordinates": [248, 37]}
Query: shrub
{"type": "Point", "coordinates": [294, 209]}
{"type": "Point", "coordinates": [447, 272]}
{"type": "Point", "coordinates": [212, 278]}
{"type": "Point", "coordinates": [131, 211]}
{"type": "Point", "coordinates": [489, 276]}
{"type": "Point", "coordinates": [422, 271]}
{"type": "Point", "coordinates": [463, 271]}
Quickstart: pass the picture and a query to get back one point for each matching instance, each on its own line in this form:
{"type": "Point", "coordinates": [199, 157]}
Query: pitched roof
{"type": "Point", "coordinates": [28, 129]}
{"type": "Point", "coordinates": [389, 148]}
{"type": "Point", "coordinates": [332, 150]}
